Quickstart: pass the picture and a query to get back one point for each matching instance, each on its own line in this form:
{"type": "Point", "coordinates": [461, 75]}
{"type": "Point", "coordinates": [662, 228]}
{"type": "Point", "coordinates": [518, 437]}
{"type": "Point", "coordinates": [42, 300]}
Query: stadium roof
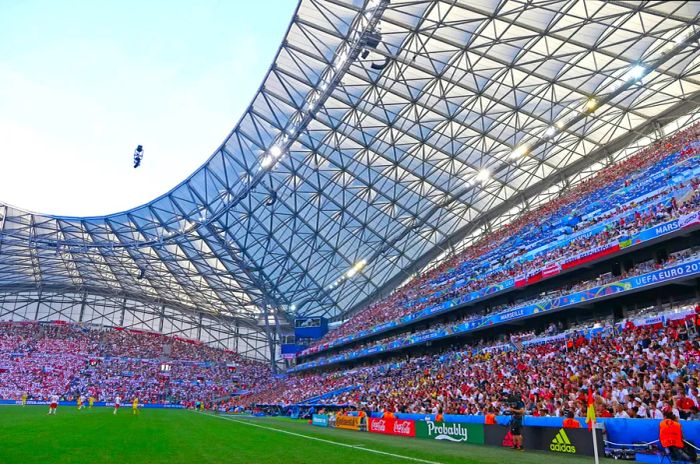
{"type": "Point", "coordinates": [351, 170]}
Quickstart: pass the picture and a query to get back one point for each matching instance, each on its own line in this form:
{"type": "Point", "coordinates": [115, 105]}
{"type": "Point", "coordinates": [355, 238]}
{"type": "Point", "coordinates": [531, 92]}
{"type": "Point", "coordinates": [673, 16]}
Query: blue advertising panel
{"type": "Point", "coordinates": [310, 327]}
{"type": "Point", "coordinates": [319, 420]}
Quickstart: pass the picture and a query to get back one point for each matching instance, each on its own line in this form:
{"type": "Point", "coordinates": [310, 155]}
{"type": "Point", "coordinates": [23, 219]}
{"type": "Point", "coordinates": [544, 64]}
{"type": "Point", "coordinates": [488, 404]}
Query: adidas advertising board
{"type": "Point", "coordinates": [551, 439]}
{"type": "Point", "coordinates": [561, 443]}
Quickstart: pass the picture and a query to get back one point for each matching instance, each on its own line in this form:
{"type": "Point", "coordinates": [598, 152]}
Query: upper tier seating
{"type": "Point", "coordinates": [648, 188]}
{"type": "Point", "coordinates": [483, 318]}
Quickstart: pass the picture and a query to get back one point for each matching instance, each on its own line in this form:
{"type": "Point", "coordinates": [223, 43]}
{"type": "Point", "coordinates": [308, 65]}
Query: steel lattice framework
{"type": "Point", "coordinates": [385, 133]}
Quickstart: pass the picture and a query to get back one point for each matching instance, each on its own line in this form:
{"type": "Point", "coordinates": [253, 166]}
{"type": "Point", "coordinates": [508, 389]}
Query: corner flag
{"type": "Point", "coordinates": [590, 420]}
{"type": "Point", "coordinates": [590, 412]}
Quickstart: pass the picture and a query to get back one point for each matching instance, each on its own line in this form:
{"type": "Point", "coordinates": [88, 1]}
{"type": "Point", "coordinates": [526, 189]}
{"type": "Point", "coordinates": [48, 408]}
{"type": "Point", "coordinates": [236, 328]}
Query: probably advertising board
{"type": "Point", "coordinates": [319, 420]}
{"type": "Point", "coordinates": [552, 439]}
{"type": "Point", "coordinates": [404, 428]}
{"type": "Point", "coordinates": [347, 422]}
{"type": "Point", "coordinates": [448, 431]}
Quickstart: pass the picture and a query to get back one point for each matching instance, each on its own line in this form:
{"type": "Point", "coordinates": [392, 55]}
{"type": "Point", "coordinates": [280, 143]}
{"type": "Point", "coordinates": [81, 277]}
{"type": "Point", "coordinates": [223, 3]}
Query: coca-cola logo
{"type": "Point", "coordinates": [392, 427]}
{"type": "Point", "coordinates": [378, 425]}
{"type": "Point", "coordinates": [402, 427]}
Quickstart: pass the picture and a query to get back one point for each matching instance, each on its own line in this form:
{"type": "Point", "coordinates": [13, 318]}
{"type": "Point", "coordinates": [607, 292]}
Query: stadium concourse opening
{"type": "Point", "coordinates": [441, 232]}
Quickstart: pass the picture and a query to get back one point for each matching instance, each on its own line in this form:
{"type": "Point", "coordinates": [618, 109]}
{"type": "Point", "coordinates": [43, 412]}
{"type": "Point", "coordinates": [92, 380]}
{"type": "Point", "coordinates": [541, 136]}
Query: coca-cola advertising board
{"type": "Point", "coordinates": [404, 428]}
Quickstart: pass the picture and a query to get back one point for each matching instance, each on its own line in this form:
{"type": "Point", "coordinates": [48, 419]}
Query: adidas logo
{"type": "Point", "coordinates": [561, 443]}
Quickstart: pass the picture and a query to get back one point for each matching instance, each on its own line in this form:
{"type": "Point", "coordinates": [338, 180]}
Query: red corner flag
{"type": "Point", "coordinates": [590, 413]}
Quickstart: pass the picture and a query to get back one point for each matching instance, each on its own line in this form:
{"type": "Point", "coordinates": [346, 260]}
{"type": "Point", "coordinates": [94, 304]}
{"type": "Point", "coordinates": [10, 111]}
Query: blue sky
{"type": "Point", "coordinates": [83, 82]}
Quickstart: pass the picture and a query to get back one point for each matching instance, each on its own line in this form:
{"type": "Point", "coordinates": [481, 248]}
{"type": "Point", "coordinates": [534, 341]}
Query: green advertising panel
{"type": "Point", "coordinates": [450, 431]}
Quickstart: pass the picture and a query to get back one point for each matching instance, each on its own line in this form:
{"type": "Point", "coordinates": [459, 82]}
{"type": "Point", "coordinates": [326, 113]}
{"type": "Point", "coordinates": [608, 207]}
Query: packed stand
{"type": "Point", "coordinates": [70, 360]}
{"type": "Point", "coordinates": [626, 197]}
{"type": "Point", "coordinates": [635, 370]}
{"type": "Point", "coordinates": [447, 328]}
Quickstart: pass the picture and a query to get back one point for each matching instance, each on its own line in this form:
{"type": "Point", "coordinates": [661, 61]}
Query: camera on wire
{"type": "Point", "coordinates": [138, 156]}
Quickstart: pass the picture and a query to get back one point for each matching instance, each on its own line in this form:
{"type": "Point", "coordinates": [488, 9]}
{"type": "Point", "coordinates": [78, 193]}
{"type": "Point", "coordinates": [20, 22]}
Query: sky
{"type": "Point", "coordinates": [82, 83]}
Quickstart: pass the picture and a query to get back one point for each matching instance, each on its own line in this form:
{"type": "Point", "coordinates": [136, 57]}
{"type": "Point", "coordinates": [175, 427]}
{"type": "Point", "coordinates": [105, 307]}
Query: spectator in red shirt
{"type": "Point", "coordinates": [684, 404]}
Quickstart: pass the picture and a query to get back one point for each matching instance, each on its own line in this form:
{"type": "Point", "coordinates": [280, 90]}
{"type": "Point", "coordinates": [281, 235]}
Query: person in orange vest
{"type": "Point", "coordinates": [490, 418]}
{"type": "Point", "coordinates": [388, 414]}
{"type": "Point", "coordinates": [671, 438]}
{"type": "Point", "coordinates": [439, 417]}
{"type": "Point", "coordinates": [363, 419]}
{"type": "Point", "coordinates": [570, 422]}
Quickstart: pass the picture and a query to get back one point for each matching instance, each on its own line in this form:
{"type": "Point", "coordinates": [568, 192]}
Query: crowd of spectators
{"type": "Point", "coordinates": [447, 327]}
{"type": "Point", "coordinates": [69, 360]}
{"type": "Point", "coordinates": [634, 371]}
{"type": "Point", "coordinates": [465, 272]}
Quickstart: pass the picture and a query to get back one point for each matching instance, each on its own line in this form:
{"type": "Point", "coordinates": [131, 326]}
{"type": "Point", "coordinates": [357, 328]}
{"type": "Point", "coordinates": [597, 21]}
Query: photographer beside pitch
{"type": "Point", "coordinates": [517, 411]}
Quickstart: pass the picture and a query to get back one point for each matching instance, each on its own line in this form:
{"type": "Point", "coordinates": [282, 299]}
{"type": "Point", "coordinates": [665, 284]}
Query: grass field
{"type": "Point", "coordinates": [169, 436]}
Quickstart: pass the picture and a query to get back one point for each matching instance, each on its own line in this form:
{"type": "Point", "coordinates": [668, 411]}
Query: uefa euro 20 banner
{"type": "Point", "coordinates": [448, 431]}
{"type": "Point", "coordinates": [347, 422]}
{"type": "Point", "coordinates": [319, 420]}
{"type": "Point", "coordinates": [404, 428]}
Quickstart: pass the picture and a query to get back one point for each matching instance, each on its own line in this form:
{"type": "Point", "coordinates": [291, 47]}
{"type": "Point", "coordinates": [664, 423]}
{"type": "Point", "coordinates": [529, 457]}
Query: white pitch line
{"type": "Point", "coordinates": [330, 442]}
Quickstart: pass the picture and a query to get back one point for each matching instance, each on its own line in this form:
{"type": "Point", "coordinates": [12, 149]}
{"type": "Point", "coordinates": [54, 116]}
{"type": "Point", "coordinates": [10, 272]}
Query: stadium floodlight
{"type": "Point", "coordinates": [637, 72]}
{"type": "Point", "coordinates": [275, 151]}
{"type": "Point", "coordinates": [591, 105]}
{"type": "Point", "coordinates": [551, 131]}
{"type": "Point", "coordinates": [357, 267]}
{"type": "Point", "coordinates": [483, 175]}
{"type": "Point", "coordinates": [517, 153]}
{"type": "Point", "coordinates": [266, 162]}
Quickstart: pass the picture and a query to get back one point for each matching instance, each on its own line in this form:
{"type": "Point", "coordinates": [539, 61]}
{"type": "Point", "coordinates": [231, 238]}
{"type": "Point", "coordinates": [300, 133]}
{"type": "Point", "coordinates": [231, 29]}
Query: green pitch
{"type": "Point", "coordinates": [28, 436]}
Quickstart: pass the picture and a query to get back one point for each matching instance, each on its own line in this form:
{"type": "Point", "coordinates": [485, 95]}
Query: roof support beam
{"type": "Point", "coordinates": [683, 108]}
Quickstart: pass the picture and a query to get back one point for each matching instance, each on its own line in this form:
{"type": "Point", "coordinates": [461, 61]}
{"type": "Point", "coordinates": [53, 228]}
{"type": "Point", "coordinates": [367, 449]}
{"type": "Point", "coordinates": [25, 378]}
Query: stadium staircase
{"type": "Point", "coordinates": [230, 395]}
{"type": "Point", "coordinates": [517, 345]}
{"type": "Point", "coordinates": [318, 398]}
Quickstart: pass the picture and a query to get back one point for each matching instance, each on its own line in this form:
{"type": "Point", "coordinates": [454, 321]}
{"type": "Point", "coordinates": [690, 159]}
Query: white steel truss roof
{"type": "Point", "coordinates": [463, 112]}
